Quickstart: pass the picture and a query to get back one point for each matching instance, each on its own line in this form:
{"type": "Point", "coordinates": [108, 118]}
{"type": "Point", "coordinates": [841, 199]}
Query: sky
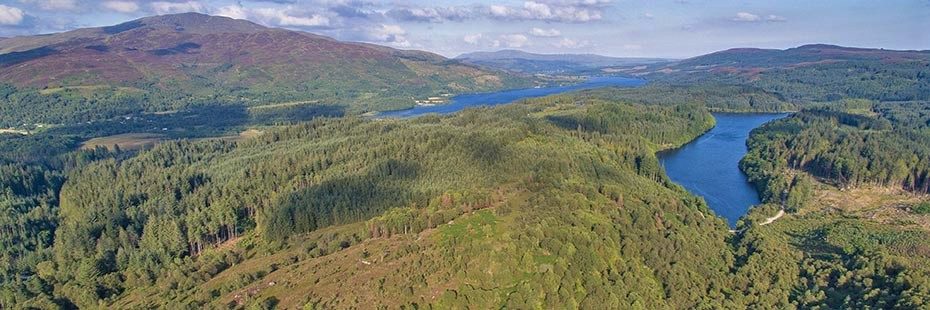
{"type": "Point", "coordinates": [628, 28]}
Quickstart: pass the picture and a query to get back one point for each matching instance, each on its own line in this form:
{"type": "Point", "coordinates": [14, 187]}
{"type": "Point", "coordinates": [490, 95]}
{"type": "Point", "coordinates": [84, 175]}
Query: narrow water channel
{"type": "Point", "coordinates": [709, 165]}
{"type": "Point", "coordinates": [461, 102]}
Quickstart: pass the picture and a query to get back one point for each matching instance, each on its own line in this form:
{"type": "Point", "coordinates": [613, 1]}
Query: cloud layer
{"type": "Point", "coordinates": [752, 18]}
{"type": "Point", "coordinates": [10, 15]}
{"type": "Point", "coordinates": [121, 6]}
{"type": "Point", "coordinates": [665, 28]}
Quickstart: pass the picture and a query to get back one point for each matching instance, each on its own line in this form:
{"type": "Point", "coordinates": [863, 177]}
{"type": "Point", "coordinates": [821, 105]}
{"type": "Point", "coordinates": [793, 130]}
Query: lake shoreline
{"type": "Point", "coordinates": [708, 165]}
{"type": "Point", "coordinates": [487, 99]}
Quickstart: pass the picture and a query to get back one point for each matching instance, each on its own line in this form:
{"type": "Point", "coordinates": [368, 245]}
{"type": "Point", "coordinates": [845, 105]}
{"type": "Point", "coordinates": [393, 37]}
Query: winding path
{"type": "Point", "coordinates": [767, 221]}
{"type": "Point", "coordinates": [772, 219]}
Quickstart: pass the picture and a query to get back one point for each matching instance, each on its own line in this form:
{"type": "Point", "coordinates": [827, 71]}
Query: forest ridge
{"type": "Point", "coordinates": [195, 161]}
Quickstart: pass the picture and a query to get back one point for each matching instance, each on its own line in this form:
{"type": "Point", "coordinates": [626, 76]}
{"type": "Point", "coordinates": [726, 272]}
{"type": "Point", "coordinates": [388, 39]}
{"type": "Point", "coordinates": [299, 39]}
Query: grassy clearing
{"type": "Point", "coordinates": [869, 217]}
{"type": "Point", "coordinates": [282, 105]}
{"type": "Point", "coordinates": [87, 89]}
{"type": "Point", "coordinates": [14, 131]}
{"type": "Point", "coordinates": [883, 205]}
{"type": "Point", "coordinates": [136, 141]}
{"type": "Point", "coordinates": [243, 135]}
{"type": "Point", "coordinates": [128, 141]}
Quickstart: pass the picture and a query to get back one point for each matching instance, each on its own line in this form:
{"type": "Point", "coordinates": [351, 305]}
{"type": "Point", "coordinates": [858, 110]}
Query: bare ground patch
{"type": "Point", "coordinates": [128, 141]}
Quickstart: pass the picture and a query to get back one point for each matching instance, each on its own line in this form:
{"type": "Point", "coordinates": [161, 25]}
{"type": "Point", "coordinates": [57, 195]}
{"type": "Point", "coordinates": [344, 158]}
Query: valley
{"type": "Point", "coordinates": [195, 161]}
{"type": "Point", "coordinates": [709, 165]}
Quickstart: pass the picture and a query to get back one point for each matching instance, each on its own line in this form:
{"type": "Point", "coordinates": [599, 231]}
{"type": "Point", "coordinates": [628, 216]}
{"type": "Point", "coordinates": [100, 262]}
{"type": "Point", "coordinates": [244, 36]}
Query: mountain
{"type": "Point", "coordinates": [520, 61]}
{"type": "Point", "coordinates": [756, 60]}
{"type": "Point", "coordinates": [554, 202]}
{"type": "Point", "coordinates": [808, 73]}
{"type": "Point", "coordinates": [183, 59]}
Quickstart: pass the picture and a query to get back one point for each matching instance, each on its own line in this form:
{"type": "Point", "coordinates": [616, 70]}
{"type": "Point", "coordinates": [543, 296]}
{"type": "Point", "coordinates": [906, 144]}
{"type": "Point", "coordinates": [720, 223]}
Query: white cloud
{"type": "Point", "coordinates": [432, 14]}
{"type": "Point", "coordinates": [121, 6]}
{"type": "Point", "coordinates": [538, 9]}
{"type": "Point", "coordinates": [632, 47]}
{"type": "Point", "coordinates": [572, 44]}
{"type": "Point", "coordinates": [499, 10]}
{"type": "Point", "coordinates": [578, 2]}
{"type": "Point", "coordinates": [283, 17]}
{"type": "Point", "coordinates": [10, 15]}
{"type": "Point", "coordinates": [752, 18]}
{"type": "Point", "coordinates": [648, 16]}
{"type": "Point", "coordinates": [746, 17]}
{"type": "Point", "coordinates": [775, 18]}
{"type": "Point", "coordinates": [553, 11]}
{"type": "Point", "coordinates": [54, 5]}
{"type": "Point", "coordinates": [163, 7]}
{"type": "Point", "coordinates": [512, 40]}
{"type": "Point", "coordinates": [472, 39]}
{"type": "Point", "coordinates": [391, 34]}
{"type": "Point", "coordinates": [286, 16]}
{"type": "Point", "coordinates": [539, 32]}
{"type": "Point", "coordinates": [232, 11]}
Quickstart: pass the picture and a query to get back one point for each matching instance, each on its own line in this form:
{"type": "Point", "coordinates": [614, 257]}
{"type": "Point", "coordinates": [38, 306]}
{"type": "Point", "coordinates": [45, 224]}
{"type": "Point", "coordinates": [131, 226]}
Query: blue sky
{"type": "Point", "coordinates": [654, 28]}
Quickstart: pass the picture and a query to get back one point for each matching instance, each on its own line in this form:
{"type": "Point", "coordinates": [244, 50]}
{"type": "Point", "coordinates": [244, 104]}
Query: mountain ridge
{"type": "Point", "coordinates": [211, 58]}
{"type": "Point", "coordinates": [521, 61]}
{"type": "Point", "coordinates": [514, 53]}
{"type": "Point", "coordinates": [744, 57]}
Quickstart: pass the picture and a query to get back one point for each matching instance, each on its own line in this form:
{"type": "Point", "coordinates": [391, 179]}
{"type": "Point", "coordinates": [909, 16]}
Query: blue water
{"type": "Point", "coordinates": [461, 102]}
{"type": "Point", "coordinates": [709, 165]}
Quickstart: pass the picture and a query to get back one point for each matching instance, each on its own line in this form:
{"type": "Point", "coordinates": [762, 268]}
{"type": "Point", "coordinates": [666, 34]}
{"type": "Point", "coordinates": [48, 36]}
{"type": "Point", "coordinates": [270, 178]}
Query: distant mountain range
{"type": "Point", "coordinates": [520, 61]}
{"type": "Point", "coordinates": [753, 61]}
{"type": "Point", "coordinates": [808, 73]}
{"type": "Point", "coordinates": [198, 57]}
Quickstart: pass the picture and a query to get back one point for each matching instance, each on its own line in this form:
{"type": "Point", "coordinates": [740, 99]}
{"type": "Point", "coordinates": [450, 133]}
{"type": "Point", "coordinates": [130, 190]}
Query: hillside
{"type": "Point", "coordinates": [487, 208]}
{"type": "Point", "coordinates": [756, 60]}
{"type": "Point", "coordinates": [189, 223]}
{"type": "Point", "coordinates": [520, 61]}
{"type": "Point", "coordinates": [177, 61]}
{"type": "Point", "coordinates": [803, 74]}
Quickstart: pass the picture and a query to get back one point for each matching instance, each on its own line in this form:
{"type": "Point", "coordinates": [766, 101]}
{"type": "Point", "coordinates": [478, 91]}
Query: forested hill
{"type": "Point", "coordinates": [885, 144]}
{"type": "Point", "coordinates": [555, 202]}
{"type": "Point", "coordinates": [752, 58]}
{"type": "Point", "coordinates": [567, 193]}
{"type": "Point", "coordinates": [170, 62]}
{"type": "Point", "coordinates": [807, 73]}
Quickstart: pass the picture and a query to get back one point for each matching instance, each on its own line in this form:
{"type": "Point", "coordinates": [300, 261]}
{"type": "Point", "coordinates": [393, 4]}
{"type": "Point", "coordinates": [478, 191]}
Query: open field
{"type": "Point", "coordinates": [283, 104]}
{"type": "Point", "coordinates": [884, 205]}
{"type": "Point", "coordinates": [128, 141]}
{"type": "Point", "coordinates": [13, 131]}
{"type": "Point", "coordinates": [135, 141]}
{"type": "Point", "coordinates": [86, 89]}
{"type": "Point", "coordinates": [245, 134]}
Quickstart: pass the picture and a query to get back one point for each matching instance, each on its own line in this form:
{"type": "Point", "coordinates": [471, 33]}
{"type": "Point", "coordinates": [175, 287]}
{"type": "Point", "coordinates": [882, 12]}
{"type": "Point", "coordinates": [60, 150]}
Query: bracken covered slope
{"type": "Point", "coordinates": [209, 58]}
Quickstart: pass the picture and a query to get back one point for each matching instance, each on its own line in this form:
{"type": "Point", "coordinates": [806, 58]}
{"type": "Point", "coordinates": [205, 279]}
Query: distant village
{"type": "Point", "coordinates": [431, 101]}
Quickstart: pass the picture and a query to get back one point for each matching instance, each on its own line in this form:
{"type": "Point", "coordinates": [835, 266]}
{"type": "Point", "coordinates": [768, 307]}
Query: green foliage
{"type": "Point", "coordinates": [922, 208]}
{"type": "Point", "coordinates": [844, 263]}
{"type": "Point", "coordinates": [556, 202]}
{"type": "Point", "coordinates": [805, 77]}
{"type": "Point", "coordinates": [353, 86]}
{"type": "Point", "coordinates": [716, 97]}
{"type": "Point", "coordinates": [28, 218]}
{"type": "Point", "coordinates": [799, 194]}
{"type": "Point", "coordinates": [126, 222]}
{"type": "Point", "coordinates": [30, 106]}
{"type": "Point", "coordinates": [847, 149]}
